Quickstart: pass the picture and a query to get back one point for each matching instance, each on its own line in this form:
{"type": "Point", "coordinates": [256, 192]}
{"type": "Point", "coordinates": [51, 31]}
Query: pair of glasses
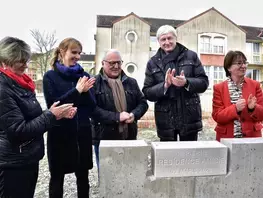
{"type": "Point", "coordinates": [113, 63]}
{"type": "Point", "coordinates": [239, 64]}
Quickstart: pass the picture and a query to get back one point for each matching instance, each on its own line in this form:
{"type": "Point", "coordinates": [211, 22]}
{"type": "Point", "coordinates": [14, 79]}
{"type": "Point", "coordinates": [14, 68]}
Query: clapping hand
{"type": "Point", "coordinates": [251, 102]}
{"type": "Point", "coordinates": [179, 81]}
{"type": "Point", "coordinates": [240, 104]}
{"type": "Point", "coordinates": [89, 84]}
{"type": "Point", "coordinates": [63, 111]}
{"type": "Point", "coordinates": [168, 78]}
{"type": "Point", "coordinates": [84, 84]}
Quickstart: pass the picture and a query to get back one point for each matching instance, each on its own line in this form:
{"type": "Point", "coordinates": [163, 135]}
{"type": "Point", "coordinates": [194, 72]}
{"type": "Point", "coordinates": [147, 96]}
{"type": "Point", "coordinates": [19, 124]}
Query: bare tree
{"type": "Point", "coordinates": [45, 43]}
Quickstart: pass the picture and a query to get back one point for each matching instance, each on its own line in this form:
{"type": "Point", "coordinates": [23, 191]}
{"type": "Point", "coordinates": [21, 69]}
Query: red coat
{"type": "Point", "coordinates": [224, 113]}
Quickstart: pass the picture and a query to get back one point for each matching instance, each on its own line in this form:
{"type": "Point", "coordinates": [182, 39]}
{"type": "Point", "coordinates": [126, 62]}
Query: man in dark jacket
{"type": "Point", "coordinates": [173, 79]}
{"type": "Point", "coordinates": [120, 103]}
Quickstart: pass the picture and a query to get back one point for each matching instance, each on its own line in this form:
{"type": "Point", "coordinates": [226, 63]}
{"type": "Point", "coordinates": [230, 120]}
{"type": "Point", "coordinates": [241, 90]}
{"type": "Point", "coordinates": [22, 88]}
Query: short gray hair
{"type": "Point", "coordinates": [14, 50]}
{"type": "Point", "coordinates": [115, 51]}
{"type": "Point", "coordinates": [165, 29]}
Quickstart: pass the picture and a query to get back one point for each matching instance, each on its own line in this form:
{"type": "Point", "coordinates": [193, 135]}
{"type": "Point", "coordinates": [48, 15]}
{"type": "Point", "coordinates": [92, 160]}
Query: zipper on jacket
{"type": "Point", "coordinates": [24, 144]}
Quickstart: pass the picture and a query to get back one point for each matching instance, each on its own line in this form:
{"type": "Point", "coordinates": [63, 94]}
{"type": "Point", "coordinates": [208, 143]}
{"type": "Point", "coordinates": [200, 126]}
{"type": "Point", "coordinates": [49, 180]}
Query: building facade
{"type": "Point", "coordinates": [87, 61]}
{"type": "Point", "coordinates": [210, 34]}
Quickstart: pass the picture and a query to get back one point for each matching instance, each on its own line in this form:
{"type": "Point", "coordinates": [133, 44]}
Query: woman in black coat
{"type": "Point", "coordinates": [22, 122]}
{"type": "Point", "coordinates": [69, 143]}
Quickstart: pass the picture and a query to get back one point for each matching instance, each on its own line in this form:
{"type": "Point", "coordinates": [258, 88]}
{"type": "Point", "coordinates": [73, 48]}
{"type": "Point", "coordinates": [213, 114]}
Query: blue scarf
{"type": "Point", "coordinates": [75, 71]}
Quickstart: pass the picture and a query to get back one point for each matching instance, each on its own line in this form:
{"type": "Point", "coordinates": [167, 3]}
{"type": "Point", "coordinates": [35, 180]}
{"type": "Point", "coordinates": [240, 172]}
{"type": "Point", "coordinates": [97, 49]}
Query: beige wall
{"type": "Point", "coordinates": [136, 52]}
{"type": "Point", "coordinates": [211, 22]}
{"type": "Point", "coordinates": [103, 43]}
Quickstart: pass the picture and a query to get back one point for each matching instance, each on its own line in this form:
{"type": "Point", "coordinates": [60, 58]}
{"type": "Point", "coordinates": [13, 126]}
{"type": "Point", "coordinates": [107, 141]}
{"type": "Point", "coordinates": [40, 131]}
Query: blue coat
{"type": "Point", "coordinates": [70, 141]}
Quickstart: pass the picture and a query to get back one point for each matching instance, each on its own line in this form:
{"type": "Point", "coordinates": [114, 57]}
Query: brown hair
{"type": "Point", "coordinates": [230, 58]}
{"type": "Point", "coordinates": [66, 44]}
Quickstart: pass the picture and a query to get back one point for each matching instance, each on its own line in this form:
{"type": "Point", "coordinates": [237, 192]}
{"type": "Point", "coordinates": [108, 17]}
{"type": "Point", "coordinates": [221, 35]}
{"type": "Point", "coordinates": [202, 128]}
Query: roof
{"type": "Point", "coordinates": [87, 57]}
{"type": "Point", "coordinates": [155, 23]}
{"type": "Point", "coordinates": [252, 33]}
{"type": "Point", "coordinates": [218, 13]}
{"type": "Point", "coordinates": [119, 19]}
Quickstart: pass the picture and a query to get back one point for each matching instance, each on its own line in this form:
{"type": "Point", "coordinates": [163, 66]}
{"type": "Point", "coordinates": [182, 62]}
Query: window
{"type": "Point", "coordinates": [206, 44]}
{"type": "Point", "coordinates": [208, 73]}
{"type": "Point", "coordinates": [131, 68]}
{"type": "Point", "coordinates": [218, 75]}
{"type": "Point", "coordinates": [34, 77]}
{"type": "Point", "coordinates": [256, 59]}
{"type": "Point", "coordinates": [131, 36]}
{"type": "Point", "coordinates": [212, 43]}
{"type": "Point", "coordinates": [253, 74]}
{"type": "Point", "coordinates": [256, 53]}
{"type": "Point", "coordinates": [218, 45]}
{"type": "Point", "coordinates": [87, 66]}
{"type": "Point", "coordinates": [256, 48]}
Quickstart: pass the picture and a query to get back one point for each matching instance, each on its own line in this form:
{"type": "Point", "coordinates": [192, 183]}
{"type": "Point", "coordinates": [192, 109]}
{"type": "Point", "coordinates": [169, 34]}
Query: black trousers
{"type": "Point", "coordinates": [18, 182]}
{"type": "Point", "coordinates": [190, 137]}
{"type": "Point", "coordinates": [57, 181]}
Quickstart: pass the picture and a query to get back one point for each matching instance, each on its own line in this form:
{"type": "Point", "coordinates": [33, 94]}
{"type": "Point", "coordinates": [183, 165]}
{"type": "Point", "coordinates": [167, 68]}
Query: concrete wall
{"type": "Point", "coordinates": [103, 43]}
{"type": "Point", "coordinates": [125, 172]}
{"type": "Point", "coordinates": [211, 22]}
{"type": "Point", "coordinates": [137, 51]}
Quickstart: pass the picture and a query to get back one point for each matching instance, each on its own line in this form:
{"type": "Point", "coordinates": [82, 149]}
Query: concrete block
{"type": "Point", "coordinates": [123, 168]}
{"type": "Point", "coordinates": [245, 172]}
{"type": "Point", "coordinates": [169, 187]}
{"type": "Point", "coordinates": [184, 159]}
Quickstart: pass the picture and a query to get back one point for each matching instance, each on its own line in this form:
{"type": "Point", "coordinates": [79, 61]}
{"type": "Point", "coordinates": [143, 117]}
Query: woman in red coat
{"type": "Point", "coordinates": [238, 101]}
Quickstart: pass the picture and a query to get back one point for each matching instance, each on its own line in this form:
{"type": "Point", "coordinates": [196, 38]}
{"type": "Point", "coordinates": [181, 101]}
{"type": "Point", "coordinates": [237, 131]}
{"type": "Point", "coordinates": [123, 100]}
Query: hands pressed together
{"type": "Point", "coordinates": [250, 103]}
{"type": "Point", "coordinates": [170, 79]}
{"type": "Point", "coordinates": [126, 117]}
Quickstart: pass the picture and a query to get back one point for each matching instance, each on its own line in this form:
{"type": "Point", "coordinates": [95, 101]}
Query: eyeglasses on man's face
{"type": "Point", "coordinates": [241, 63]}
{"type": "Point", "coordinates": [113, 63]}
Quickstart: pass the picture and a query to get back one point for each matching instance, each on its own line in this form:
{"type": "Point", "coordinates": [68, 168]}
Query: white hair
{"type": "Point", "coordinates": [115, 51]}
{"type": "Point", "coordinates": [165, 29]}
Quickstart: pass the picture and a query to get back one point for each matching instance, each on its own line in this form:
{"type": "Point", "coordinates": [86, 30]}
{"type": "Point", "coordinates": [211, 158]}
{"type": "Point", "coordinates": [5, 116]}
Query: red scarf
{"type": "Point", "coordinates": [24, 81]}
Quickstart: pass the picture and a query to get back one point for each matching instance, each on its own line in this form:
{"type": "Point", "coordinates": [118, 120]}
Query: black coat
{"type": "Point", "coordinates": [22, 125]}
{"type": "Point", "coordinates": [188, 102]}
{"type": "Point", "coordinates": [69, 142]}
{"type": "Point", "coordinates": [106, 118]}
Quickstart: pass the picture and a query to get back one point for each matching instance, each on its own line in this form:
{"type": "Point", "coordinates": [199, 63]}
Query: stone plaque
{"type": "Point", "coordinates": [122, 143]}
{"type": "Point", "coordinates": [193, 158]}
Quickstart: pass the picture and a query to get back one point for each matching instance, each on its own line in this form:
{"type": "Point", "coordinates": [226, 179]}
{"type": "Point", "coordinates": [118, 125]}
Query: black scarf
{"type": "Point", "coordinates": [170, 61]}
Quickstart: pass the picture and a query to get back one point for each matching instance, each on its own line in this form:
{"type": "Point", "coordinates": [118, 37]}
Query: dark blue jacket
{"type": "Point", "coordinates": [70, 140]}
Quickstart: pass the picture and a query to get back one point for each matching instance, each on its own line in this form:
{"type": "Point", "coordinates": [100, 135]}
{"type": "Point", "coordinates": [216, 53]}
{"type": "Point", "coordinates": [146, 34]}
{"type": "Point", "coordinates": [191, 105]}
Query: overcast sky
{"type": "Point", "coordinates": [77, 18]}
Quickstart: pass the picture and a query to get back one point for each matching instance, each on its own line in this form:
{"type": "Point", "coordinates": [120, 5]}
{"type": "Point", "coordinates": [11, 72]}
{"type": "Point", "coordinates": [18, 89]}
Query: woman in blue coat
{"type": "Point", "coordinates": [69, 143]}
